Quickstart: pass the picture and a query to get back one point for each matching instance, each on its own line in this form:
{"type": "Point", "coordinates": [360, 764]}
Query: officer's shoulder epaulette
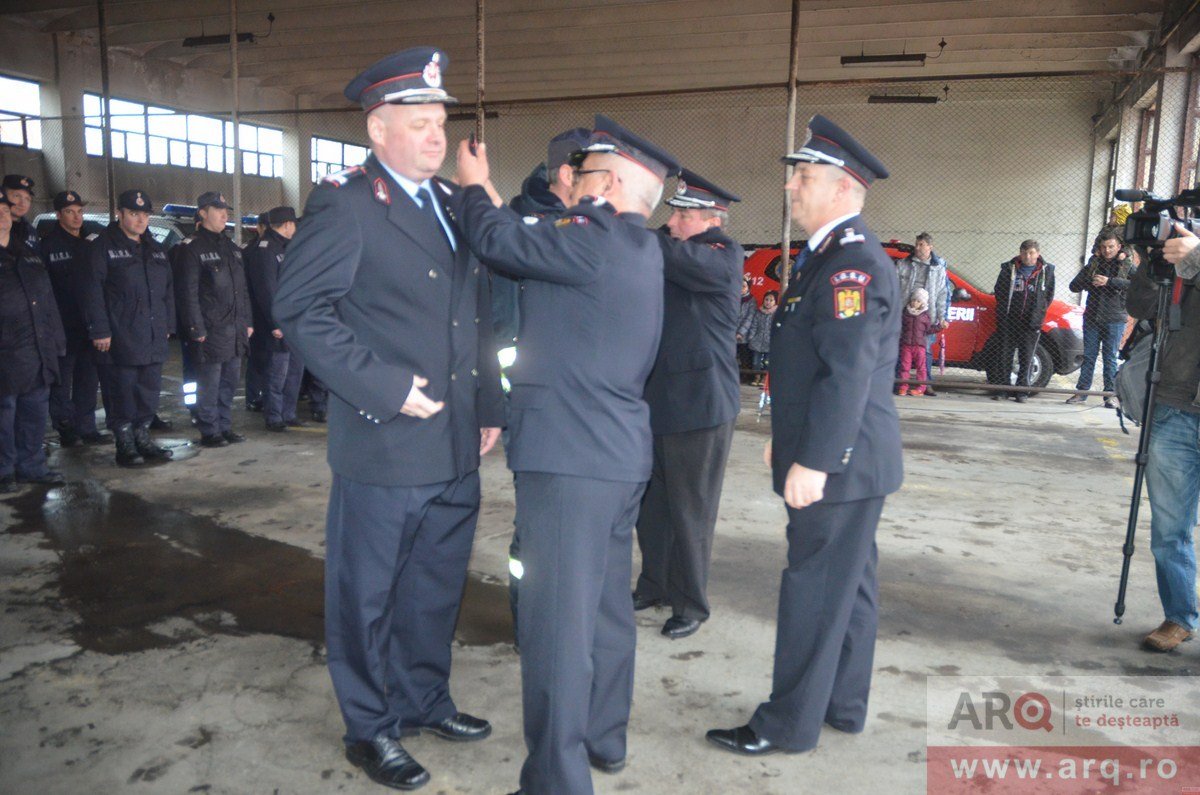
{"type": "Point", "coordinates": [264, 243]}
{"type": "Point", "coordinates": [448, 188]}
{"type": "Point", "coordinates": [340, 178]}
{"type": "Point", "coordinates": [187, 241]}
{"type": "Point", "coordinates": [849, 237]}
{"type": "Point", "coordinates": [93, 236]}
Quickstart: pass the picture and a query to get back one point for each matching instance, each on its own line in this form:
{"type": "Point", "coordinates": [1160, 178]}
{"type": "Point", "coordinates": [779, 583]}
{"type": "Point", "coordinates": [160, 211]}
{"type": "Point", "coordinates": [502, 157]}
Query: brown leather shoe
{"type": "Point", "coordinates": [1167, 637]}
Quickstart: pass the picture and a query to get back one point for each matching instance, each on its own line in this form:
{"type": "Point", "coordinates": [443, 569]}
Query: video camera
{"type": "Point", "coordinates": [1154, 224]}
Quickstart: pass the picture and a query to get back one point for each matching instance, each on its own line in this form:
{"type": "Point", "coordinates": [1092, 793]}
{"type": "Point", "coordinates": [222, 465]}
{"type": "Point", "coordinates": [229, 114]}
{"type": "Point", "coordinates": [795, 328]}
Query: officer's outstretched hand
{"type": "Point", "coordinates": [473, 169]}
{"type": "Point", "coordinates": [418, 403]}
{"type": "Point", "coordinates": [487, 439]}
{"type": "Point", "coordinates": [803, 486]}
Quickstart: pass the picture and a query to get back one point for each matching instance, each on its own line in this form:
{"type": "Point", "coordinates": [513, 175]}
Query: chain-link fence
{"type": "Point", "coordinates": [979, 165]}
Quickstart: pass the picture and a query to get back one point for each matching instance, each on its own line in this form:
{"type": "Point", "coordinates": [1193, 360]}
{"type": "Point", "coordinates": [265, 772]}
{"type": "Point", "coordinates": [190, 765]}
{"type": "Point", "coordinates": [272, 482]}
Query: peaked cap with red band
{"type": "Point", "coordinates": [409, 77]}
{"type": "Point", "coordinates": [695, 192]}
{"type": "Point", "coordinates": [829, 144]}
{"type": "Point", "coordinates": [608, 137]}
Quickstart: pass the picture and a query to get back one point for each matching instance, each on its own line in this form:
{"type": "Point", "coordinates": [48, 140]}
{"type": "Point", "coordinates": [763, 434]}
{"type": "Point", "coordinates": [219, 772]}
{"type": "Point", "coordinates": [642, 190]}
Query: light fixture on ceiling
{"type": "Point", "coordinates": [219, 39]}
{"type": "Point", "coordinates": [893, 59]}
{"type": "Point", "coordinates": [909, 99]}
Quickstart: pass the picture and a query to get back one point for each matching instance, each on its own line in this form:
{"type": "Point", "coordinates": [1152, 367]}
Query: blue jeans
{"type": "Point", "coordinates": [1095, 333]}
{"type": "Point", "coordinates": [1173, 482]}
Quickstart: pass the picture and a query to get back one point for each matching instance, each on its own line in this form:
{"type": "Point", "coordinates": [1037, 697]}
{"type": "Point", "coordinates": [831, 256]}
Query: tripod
{"type": "Point", "coordinates": [1153, 376]}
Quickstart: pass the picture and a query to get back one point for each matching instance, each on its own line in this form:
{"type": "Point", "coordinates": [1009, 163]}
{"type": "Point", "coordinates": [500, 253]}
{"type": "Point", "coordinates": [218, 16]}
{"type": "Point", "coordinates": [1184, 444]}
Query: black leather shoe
{"type": "Point", "coordinates": [318, 416]}
{"type": "Point", "coordinates": [98, 437]}
{"type": "Point", "coordinates": [232, 437]}
{"type": "Point", "coordinates": [159, 424]}
{"type": "Point", "coordinates": [47, 478]}
{"type": "Point", "coordinates": [385, 762]}
{"type": "Point", "coordinates": [296, 423]}
{"type": "Point", "coordinates": [605, 766]}
{"type": "Point", "coordinates": [1022, 397]}
{"type": "Point", "coordinates": [67, 436]}
{"type": "Point", "coordinates": [8, 484]}
{"type": "Point", "coordinates": [277, 427]}
{"type": "Point", "coordinates": [461, 727]}
{"type": "Point", "coordinates": [216, 440]}
{"type": "Point", "coordinates": [741, 740]}
{"type": "Point", "coordinates": [642, 602]}
{"type": "Point", "coordinates": [679, 627]}
{"type": "Point", "coordinates": [929, 392]}
{"type": "Point", "coordinates": [254, 405]}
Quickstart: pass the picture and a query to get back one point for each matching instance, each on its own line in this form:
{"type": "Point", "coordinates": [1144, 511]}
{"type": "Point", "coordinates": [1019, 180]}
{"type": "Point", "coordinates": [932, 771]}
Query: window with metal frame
{"type": "Point", "coordinates": [20, 111]}
{"type": "Point", "coordinates": [156, 135]}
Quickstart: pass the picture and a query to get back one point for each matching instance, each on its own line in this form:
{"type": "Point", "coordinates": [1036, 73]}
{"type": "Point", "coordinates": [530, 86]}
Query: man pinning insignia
{"type": "Point", "coordinates": [834, 452]}
{"type": "Point", "coordinates": [694, 400]}
{"type": "Point", "coordinates": [581, 442]}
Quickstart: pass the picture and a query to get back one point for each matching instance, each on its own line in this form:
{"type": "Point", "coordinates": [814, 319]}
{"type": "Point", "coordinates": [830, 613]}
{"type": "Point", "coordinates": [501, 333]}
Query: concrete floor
{"type": "Point", "coordinates": [161, 628]}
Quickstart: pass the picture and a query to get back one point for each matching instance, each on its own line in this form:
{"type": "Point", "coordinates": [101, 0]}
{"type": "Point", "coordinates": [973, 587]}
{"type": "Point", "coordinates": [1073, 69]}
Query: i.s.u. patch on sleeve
{"type": "Point", "coordinates": [849, 293]}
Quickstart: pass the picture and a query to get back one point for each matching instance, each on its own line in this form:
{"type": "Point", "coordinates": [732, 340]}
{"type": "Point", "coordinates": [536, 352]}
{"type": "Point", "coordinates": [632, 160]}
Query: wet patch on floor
{"type": "Point", "coordinates": [140, 575]}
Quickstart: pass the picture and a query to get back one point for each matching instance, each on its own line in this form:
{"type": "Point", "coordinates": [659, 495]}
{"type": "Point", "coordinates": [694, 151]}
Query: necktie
{"type": "Point", "coordinates": [801, 258]}
{"type": "Point", "coordinates": [427, 210]}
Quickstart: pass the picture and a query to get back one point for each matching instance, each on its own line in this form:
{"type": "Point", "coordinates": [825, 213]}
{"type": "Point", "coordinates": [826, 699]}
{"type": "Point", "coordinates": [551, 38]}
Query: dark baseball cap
{"type": "Point", "coordinates": [135, 200]}
{"type": "Point", "coordinates": [565, 144]}
{"type": "Point", "coordinates": [281, 215]}
{"type": "Point", "coordinates": [18, 182]}
{"type": "Point", "coordinates": [211, 198]}
{"type": "Point", "coordinates": [67, 198]}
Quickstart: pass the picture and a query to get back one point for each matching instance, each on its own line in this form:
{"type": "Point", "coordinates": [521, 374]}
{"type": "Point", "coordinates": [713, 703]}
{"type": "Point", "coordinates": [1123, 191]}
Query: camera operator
{"type": "Point", "coordinates": [1173, 466]}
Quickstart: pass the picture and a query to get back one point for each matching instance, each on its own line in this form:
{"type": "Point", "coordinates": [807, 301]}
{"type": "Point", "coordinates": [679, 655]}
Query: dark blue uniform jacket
{"type": "Point", "coordinates": [694, 383]}
{"type": "Point", "coordinates": [834, 346]}
{"type": "Point", "coordinates": [591, 317]}
{"type": "Point", "coordinates": [128, 295]}
{"type": "Point", "coordinates": [370, 296]}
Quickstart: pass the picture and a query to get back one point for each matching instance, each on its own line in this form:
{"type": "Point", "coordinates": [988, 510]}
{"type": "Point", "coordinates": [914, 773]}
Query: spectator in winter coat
{"type": "Point", "coordinates": [756, 330]}
{"type": "Point", "coordinates": [1105, 279]}
{"type": "Point", "coordinates": [745, 311]}
{"type": "Point", "coordinates": [914, 328]}
{"type": "Point", "coordinates": [1024, 289]}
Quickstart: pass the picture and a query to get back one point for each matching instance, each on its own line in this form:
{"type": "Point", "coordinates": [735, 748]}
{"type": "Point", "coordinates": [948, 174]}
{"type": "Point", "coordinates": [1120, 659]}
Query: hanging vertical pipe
{"type": "Point", "coordinates": [110, 187]}
{"type": "Point", "coordinates": [785, 250]}
{"type": "Point", "coordinates": [237, 149]}
{"type": "Point", "coordinates": [479, 42]}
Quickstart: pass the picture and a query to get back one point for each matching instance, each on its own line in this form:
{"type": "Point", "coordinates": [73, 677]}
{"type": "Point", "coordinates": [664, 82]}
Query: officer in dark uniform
{"type": "Point", "coordinates": [694, 401]}
{"type": "Point", "coordinates": [19, 190]}
{"type": "Point", "coordinates": [835, 448]}
{"type": "Point", "coordinates": [128, 304]}
{"type": "Point", "coordinates": [382, 300]}
{"type": "Point", "coordinates": [214, 310]}
{"type": "Point", "coordinates": [543, 199]}
{"type": "Point", "coordinates": [73, 398]}
{"type": "Point", "coordinates": [31, 342]}
{"type": "Point", "coordinates": [284, 368]}
{"type": "Point", "coordinates": [591, 317]}
{"type": "Point", "coordinates": [259, 360]}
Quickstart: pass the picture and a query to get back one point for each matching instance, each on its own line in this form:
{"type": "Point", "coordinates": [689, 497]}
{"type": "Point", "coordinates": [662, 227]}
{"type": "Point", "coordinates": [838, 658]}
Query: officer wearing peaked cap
{"type": "Point", "coordinates": [580, 440]}
{"type": "Point", "coordinates": [73, 398]}
{"type": "Point", "coordinates": [19, 189]}
{"type": "Point", "coordinates": [694, 399]}
{"type": "Point", "coordinates": [128, 303]}
{"type": "Point", "coordinates": [380, 296]}
{"type": "Point", "coordinates": [835, 448]}
{"type": "Point", "coordinates": [214, 317]}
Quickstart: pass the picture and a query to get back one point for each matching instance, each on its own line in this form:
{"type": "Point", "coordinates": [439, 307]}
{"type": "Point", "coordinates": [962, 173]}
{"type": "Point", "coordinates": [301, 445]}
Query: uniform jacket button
{"type": "Point", "coordinates": [474, 371]}
{"type": "Point", "coordinates": [477, 321]}
{"type": "Point", "coordinates": [454, 323]}
{"type": "Point", "coordinates": [432, 273]}
{"type": "Point", "coordinates": [454, 376]}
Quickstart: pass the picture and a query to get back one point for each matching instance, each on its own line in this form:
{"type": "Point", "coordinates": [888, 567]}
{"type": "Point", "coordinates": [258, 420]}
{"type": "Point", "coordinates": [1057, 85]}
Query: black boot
{"type": "Point", "coordinates": [127, 452]}
{"type": "Point", "coordinates": [66, 435]}
{"type": "Point", "coordinates": [146, 446]}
